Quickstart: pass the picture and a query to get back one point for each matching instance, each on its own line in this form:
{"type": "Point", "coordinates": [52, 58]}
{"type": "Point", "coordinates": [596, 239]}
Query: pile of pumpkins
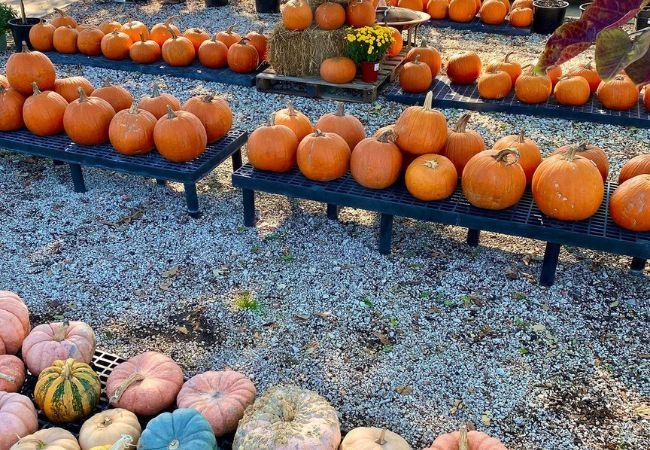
{"type": "Point", "coordinates": [568, 185]}
{"type": "Point", "coordinates": [210, 405]}
{"type": "Point", "coordinates": [32, 97]}
{"type": "Point", "coordinates": [297, 15]}
{"type": "Point", "coordinates": [491, 12]}
{"type": "Point", "coordinates": [136, 41]}
{"type": "Point", "coordinates": [497, 80]}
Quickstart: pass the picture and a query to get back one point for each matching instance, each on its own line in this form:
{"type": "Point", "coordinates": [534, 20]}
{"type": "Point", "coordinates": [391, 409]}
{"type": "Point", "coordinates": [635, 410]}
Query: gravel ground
{"type": "Point", "coordinates": [420, 341]}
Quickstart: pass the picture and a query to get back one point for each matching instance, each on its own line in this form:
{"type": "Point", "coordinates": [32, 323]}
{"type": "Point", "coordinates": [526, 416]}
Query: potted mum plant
{"type": "Point", "coordinates": [20, 28]}
{"type": "Point", "coordinates": [548, 15]}
{"type": "Point", "coordinates": [6, 14]}
{"type": "Point", "coordinates": [367, 46]}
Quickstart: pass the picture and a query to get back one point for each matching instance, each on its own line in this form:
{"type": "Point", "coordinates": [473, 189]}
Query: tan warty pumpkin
{"type": "Point", "coordinates": [376, 163]}
{"type": "Point", "coordinates": [14, 316]}
{"type": "Point", "coordinates": [108, 427]}
{"type": "Point", "coordinates": [462, 144]}
{"type": "Point", "coordinates": [345, 125]}
{"type": "Point", "coordinates": [62, 405]}
{"type": "Point", "coordinates": [421, 129]}
{"type": "Point", "coordinates": [272, 147]}
{"type": "Point", "coordinates": [365, 438]}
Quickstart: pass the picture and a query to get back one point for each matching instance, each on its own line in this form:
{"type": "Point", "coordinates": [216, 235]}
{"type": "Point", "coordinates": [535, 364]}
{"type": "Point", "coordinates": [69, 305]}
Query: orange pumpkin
{"type": "Point", "coordinates": [117, 96]}
{"type": "Point", "coordinates": [568, 187]}
{"type": "Point", "coordinates": [421, 129]}
{"type": "Point", "coordinates": [376, 163]}
{"type": "Point", "coordinates": [360, 13]}
{"type": "Point", "coordinates": [272, 147]}
{"type": "Point", "coordinates": [160, 32]}
{"type": "Point", "coordinates": [646, 96]}
{"type": "Point", "coordinates": [131, 131]}
{"type": "Point", "coordinates": [242, 57]}
{"type": "Point", "coordinates": [25, 68]}
{"type": "Point", "coordinates": [494, 84]}
{"type": "Point", "coordinates": [462, 10]}
{"type": "Point", "coordinates": [629, 205]}
{"type": "Point", "coordinates": [145, 51]}
{"type": "Point", "coordinates": [180, 136]}
{"type": "Point", "coordinates": [41, 36]}
{"type": "Point", "coordinates": [258, 40]}
{"type": "Point", "coordinates": [532, 88]}
{"type": "Point", "coordinates": [330, 16]}
{"type": "Point", "coordinates": [591, 152]}
{"type": "Point", "coordinates": [493, 12]}
{"type": "Point", "coordinates": [157, 102]}
{"type": "Point", "coordinates": [213, 112]}
{"type": "Point", "coordinates": [109, 26]}
{"type": "Point", "coordinates": [554, 73]}
{"type": "Point", "coordinates": [89, 41]}
{"type": "Point", "coordinates": [86, 120]}
{"type": "Point", "coordinates": [297, 15]}
{"type": "Point", "coordinates": [431, 177]}
{"type": "Point", "coordinates": [196, 36]}
{"type": "Point", "coordinates": [464, 68]}
{"type": "Point", "coordinates": [68, 88]}
{"type": "Point", "coordinates": [619, 93]}
{"type": "Point", "coordinates": [479, 3]}
{"type": "Point", "coordinates": [134, 29]}
{"type": "Point", "coordinates": [323, 156]}
{"type": "Point", "coordinates": [398, 42]}
{"type": "Point", "coordinates": [415, 76]}
{"type": "Point", "coordinates": [573, 91]}
{"type": "Point", "coordinates": [494, 179]}
{"type": "Point", "coordinates": [43, 112]}
{"type": "Point", "coordinates": [116, 45]}
{"type": "Point", "coordinates": [178, 51]}
{"type": "Point", "coordinates": [11, 109]}
{"type": "Point", "coordinates": [415, 5]}
{"type": "Point", "coordinates": [338, 70]}
{"type": "Point", "coordinates": [213, 54]}
{"type": "Point", "coordinates": [462, 144]}
{"type": "Point", "coordinates": [228, 37]}
{"type": "Point", "coordinates": [437, 9]}
{"type": "Point", "coordinates": [638, 165]}
{"type": "Point", "coordinates": [522, 4]}
{"type": "Point", "coordinates": [12, 374]}
{"type": "Point", "coordinates": [510, 67]}
{"type": "Point", "coordinates": [428, 55]}
{"type": "Point", "coordinates": [530, 155]}
{"type": "Point", "coordinates": [590, 74]}
{"type": "Point", "coordinates": [295, 120]}
{"type": "Point", "coordinates": [345, 125]}
{"type": "Point", "coordinates": [61, 19]}
{"type": "Point", "coordinates": [521, 17]}
{"type": "Point", "coordinates": [469, 440]}
{"type": "Point", "coordinates": [65, 40]}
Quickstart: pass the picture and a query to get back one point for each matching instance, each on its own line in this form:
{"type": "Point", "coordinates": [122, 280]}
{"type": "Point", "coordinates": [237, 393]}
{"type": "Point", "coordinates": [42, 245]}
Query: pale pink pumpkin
{"type": "Point", "coordinates": [60, 340]}
{"type": "Point", "coordinates": [221, 397]}
{"type": "Point", "coordinates": [470, 440]}
{"type": "Point", "coordinates": [48, 439]}
{"type": "Point", "coordinates": [17, 418]}
{"type": "Point", "coordinates": [12, 373]}
{"type": "Point", "coordinates": [145, 384]}
{"type": "Point", "coordinates": [14, 318]}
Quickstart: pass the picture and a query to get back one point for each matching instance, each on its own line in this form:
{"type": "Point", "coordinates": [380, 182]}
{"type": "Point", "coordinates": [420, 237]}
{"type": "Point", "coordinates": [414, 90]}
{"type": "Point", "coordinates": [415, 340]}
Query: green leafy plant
{"type": "Point", "coordinates": [245, 300]}
{"type": "Point", "coordinates": [368, 44]}
{"type": "Point", "coordinates": [6, 14]}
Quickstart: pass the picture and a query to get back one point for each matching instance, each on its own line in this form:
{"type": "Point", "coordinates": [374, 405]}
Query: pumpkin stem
{"type": "Point", "coordinates": [169, 21]}
{"type": "Point", "coordinates": [142, 38]}
{"type": "Point", "coordinates": [230, 29]}
{"type": "Point", "coordinates": [318, 133]}
{"type": "Point", "coordinates": [170, 112]}
{"type": "Point", "coordinates": [290, 108]}
{"type": "Point", "coordinates": [522, 137]}
{"type": "Point", "coordinates": [121, 389]}
{"type": "Point", "coordinates": [155, 92]}
{"type": "Point", "coordinates": [9, 378]}
{"type": "Point", "coordinates": [207, 98]}
{"type": "Point", "coordinates": [423, 43]}
{"type": "Point", "coordinates": [171, 31]}
{"type": "Point", "coordinates": [134, 107]}
{"type": "Point", "coordinates": [3, 89]}
{"type": "Point", "coordinates": [507, 57]}
{"type": "Point", "coordinates": [24, 48]}
{"type": "Point", "coordinates": [35, 88]}
{"type": "Point", "coordinates": [288, 411]}
{"type": "Point", "coordinates": [571, 152]}
{"type": "Point", "coordinates": [382, 437]}
{"type": "Point", "coordinates": [123, 443]}
{"type": "Point", "coordinates": [59, 12]}
{"type": "Point", "coordinates": [503, 155]}
{"type": "Point", "coordinates": [107, 82]}
{"type": "Point", "coordinates": [431, 164]}
{"type": "Point", "coordinates": [461, 125]}
{"type": "Point", "coordinates": [106, 422]}
{"type": "Point", "coordinates": [82, 95]}
{"type": "Point", "coordinates": [428, 100]}
{"type": "Point", "coordinates": [463, 443]}
{"type": "Point", "coordinates": [59, 334]}
{"type": "Point", "coordinates": [272, 119]}
{"type": "Point", "coordinates": [387, 136]}
{"type": "Point", "coordinates": [340, 109]}
{"type": "Point", "coordinates": [417, 59]}
{"type": "Point", "coordinates": [66, 371]}
{"type": "Point", "coordinates": [174, 445]}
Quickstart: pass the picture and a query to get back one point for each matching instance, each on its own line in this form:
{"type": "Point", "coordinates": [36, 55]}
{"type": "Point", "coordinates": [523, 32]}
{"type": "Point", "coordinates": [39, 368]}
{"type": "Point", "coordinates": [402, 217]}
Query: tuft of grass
{"type": "Point", "coordinates": [523, 351]}
{"type": "Point", "coordinates": [393, 322]}
{"type": "Point", "coordinates": [271, 237]}
{"type": "Point", "coordinates": [519, 296]}
{"type": "Point", "coordinates": [287, 257]}
{"type": "Point", "coordinates": [366, 301]}
{"type": "Point", "coordinates": [245, 300]}
{"type": "Point", "coordinates": [425, 295]}
{"type": "Point", "coordinates": [519, 322]}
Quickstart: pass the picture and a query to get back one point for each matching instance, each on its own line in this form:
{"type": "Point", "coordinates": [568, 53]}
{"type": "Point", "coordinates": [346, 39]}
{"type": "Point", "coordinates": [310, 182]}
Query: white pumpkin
{"type": "Point", "coordinates": [48, 439]}
{"type": "Point", "coordinates": [107, 427]}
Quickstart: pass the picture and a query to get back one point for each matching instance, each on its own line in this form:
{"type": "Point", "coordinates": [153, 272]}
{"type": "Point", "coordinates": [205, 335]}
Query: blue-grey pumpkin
{"type": "Point", "coordinates": [183, 429]}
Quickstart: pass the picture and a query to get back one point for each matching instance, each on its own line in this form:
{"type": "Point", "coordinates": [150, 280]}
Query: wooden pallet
{"type": "Point", "coordinates": [316, 87]}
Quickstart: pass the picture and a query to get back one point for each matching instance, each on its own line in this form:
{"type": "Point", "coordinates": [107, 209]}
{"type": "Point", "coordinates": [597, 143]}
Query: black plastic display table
{"type": "Point", "coordinates": [152, 165]}
{"type": "Point", "coordinates": [524, 219]}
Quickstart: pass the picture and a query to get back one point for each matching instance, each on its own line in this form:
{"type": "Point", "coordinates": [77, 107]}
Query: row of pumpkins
{"type": "Point", "coordinates": [297, 15]}
{"type": "Point", "coordinates": [92, 116]}
{"type": "Point", "coordinates": [136, 41]}
{"type": "Point", "coordinates": [569, 185]}
{"type": "Point", "coordinates": [210, 404]}
{"type": "Point", "coordinates": [497, 80]}
{"type": "Point", "coordinates": [491, 12]}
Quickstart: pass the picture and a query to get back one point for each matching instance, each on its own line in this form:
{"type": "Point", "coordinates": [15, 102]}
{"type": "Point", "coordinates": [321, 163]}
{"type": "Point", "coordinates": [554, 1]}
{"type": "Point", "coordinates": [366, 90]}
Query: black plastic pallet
{"type": "Point", "coordinates": [524, 219]}
{"type": "Point", "coordinates": [151, 165]}
{"type": "Point", "coordinates": [447, 95]}
{"type": "Point", "coordinates": [195, 71]}
{"type": "Point", "coordinates": [477, 25]}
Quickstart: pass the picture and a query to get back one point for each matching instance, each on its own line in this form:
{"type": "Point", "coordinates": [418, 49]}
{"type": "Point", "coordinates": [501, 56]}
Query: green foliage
{"type": "Point", "coordinates": [245, 300]}
{"type": "Point", "coordinates": [6, 14]}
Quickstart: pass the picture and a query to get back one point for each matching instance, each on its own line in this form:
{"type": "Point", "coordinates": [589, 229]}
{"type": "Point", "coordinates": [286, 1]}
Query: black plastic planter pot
{"type": "Point", "coordinates": [214, 3]}
{"type": "Point", "coordinates": [267, 6]}
{"type": "Point", "coordinates": [20, 31]}
{"type": "Point", "coordinates": [548, 18]}
{"type": "Point", "coordinates": [643, 19]}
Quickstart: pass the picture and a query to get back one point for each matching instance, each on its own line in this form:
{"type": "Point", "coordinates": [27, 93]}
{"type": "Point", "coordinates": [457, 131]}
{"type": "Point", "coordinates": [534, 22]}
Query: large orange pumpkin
{"type": "Point", "coordinates": [89, 41]}
{"type": "Point", "coordinates": [157, 102]}
{"type": "Point", "coordinates": [68, 88]}
{"type": "Point", "coordinates": [117, 96]}
{"type": "Point", "coordinates": [228, 37]}
{"type": "Point", "coordinates": [428, 55]}
{"type": "Point", "coordinates": [323, 156]}
{"type": "Point", "coordinates": [178, 50]}
{"type": "Point", "coordinates": [116, 45]}
{"type": "Point", "coordinates": [41, 36]}
{"type": "Point", "coordinates": [591, 152]}
{"type": "Point", "coordinates": [297, 15]}
{"type": "Point", "coordinates": [629, 205]}
{"type": "Point", "coordinates": [619, 93]}
{"type": "Point", "coordinates": [272, 147]}
{"type": "Point", "coordinates": [415, 76]}
{"type": "Point", "coordinates": [345, 125]}
{"type": "Point", "coordinates": [61, 19]}
{"type": "Point", "coordinates": [431, 177]}
{"type": "Point", "coordinates": [421, 129]}
{"type": "Point", "coordinates": [462, 10]}
{"type": "Point", "coordinates": [462, 144]}
{"type": "Point", "coordinates": [512, 68]}
{"type": "Point", "coordinates": [213, 54]}
{"type": "Point", "coordinates": [636, 166]}
{"type": "Point", "coordinates": [180, 136]}
{"type": "Point", "coordinates": [330, 16]}
{"type": "Point", "coordinates": [134, 29]}
{"type": "Point", "coordinates": [213, 112]}
{"type": "Point", "coordinates": [521, 17]}
{"type": "Point", "coordinates": [338, 70]}
{"type": "Point", "coordinates": [160, 31]}
{"type": "Point", "coordinates": [464, 68]}
{"type": "Point", "coordinates": [530, 155]}
{"type": "Point", "coordinates": [43, 112]}
{"type": "Point", "coordinates": [295, 120]}
{"type": "Point", "coordinates": [437, 9]}
{"type": "Point", "coordinates": [196, 36]}
{"type": "Point", "coordinates": [493, 12]}
{"type": "Point", "coordinates": [131, 131]}
{"type": "Point", "coordinates": [11, 109]}
{"type": "Point", "coordinates": [65, 40]}
{"type": "Point", "coordinates": [145, 51]}
{"type": "Point", "coordinates": [360, 13]}
{"type": "Point", "coordinates": [86, 120]}
{"type": "Point", "coordinates": [25, 68]}
{"type": "Point", "coordinates": [494, 179]}
{"type": "Point", "coordinates": [242, 57]}
{"type": "Point", "coordinates": [568, 187]}
{"type": "Point", "coordinates": [376, 163]}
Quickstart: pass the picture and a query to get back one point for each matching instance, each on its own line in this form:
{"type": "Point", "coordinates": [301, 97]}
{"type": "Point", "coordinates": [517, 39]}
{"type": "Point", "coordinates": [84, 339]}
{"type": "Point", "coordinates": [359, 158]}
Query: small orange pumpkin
{"type": "Point", "coordinates": [11, 109]}
{"type": "Point", "coordinates": [180, 136]}
{"type": "Point", "coordinates": [629, 205]}
{"type": "Point", "coordinates": [297, 15]}
{"type": "Point", "coordinates": [345, 125]}
{"type": "Point", "coordinates": [242, 57]}
{"type": "Point", "coordinates": [521, 4]}
{"type": "Point", "coordinates": [213, 54]}
{"type": "Point", "coordinates": [116, 45]}
{"type": "Point", "coordinates": [196, 36]}
{"type": "Point", "coordinates": [178, 51]}
{"type": "Point", "coordinates": [437, 9]}
{"type": "Point", "coordinates": [591, 152]}
{"type": "Point", "coordinates": [119, 98]}
{"type": "Point", "coordinates": [638, 165]}
{"type": "Point", "coordinates": [493, 12]}
{"type": "Point", "coordinates": [431, 177]}
{"type": "Point", "coordinates": [213, 112]}
{"type": "Point", "coordinates": [360, 13]}
{"type": "Point", "coordinates": [258, 40]}
{"type": "Point", "coordinates": [330, 16]}
{"type": "Point", "coordinates": [521, 17]}
{"type": "Point", "coordinates": [68, 88]}
{"type": "Point", "coordinates": [398, 42]}
{"type": "Point", "coordinates": [376, 163]}
{"type": "Point", "coordinates": [421, 129]}
{"type": "Point", "coordinates": [464, 68]}
{"type": "Point", "coordinates": [462, 10]}
{"type": "Point", "coordinates": [415, 5]}
{"type": "Point", "coordinates": [532, 88]}
{"type": "Point", "coordinates": [295, 120]}
{"type": "Point", "coordinates": [272, 147]}
{"type": "Point", "coordinates": [462, 144]}
{"type": "Point", "coordinates": [590, 74]}
{"type": "Point", "coordinates": [131, 131]}
{"type": "Point", "coordinates": [530, 155]}
{"type": "Point", "coordinates": [415, 76]}
{"type": "Point", "coordinates": [554, 73]}
{"type": "Point", "coordinates": [160, 31]}
{"type": "Point", "coordinates": [157, 102]}
{"type": "Point", "coordinates": [338, 70]}
{"type": "Point", "coordinates": [512, 68]}
{"type": "Point", "coordinates": [323, 156]}
{"type": "Point", "coordinates": [134, 29]}
{"type": "Point", "coordinates": [145, 51]}
{"type": "Point", "coordinates": [86, 120]}
{"type": "Point", "coordinates": [494, 84]}
{"type": "Point", "coordinates": [89, 41]}
{"type": "Point", "coordinates": [41, 36]}
{"type": "Point", "coordinates": [43, 112]}
{"type": "Point", "coordinates": [61, 19]}
{"type": "Point", "coordinates": [428, 55]}
{"type": "Point", "coordinates": [109, 26]}
{"type": "Point", "coordinates": [573, 91]}
{"type": "Point", "coordinates": [228, 37]}
{"type": "Point", "coordinates": [619, 93]}
{"type": "Point", "coordinates": [646, 96]}
{"type": "Point", "coordinates": [65, 40]}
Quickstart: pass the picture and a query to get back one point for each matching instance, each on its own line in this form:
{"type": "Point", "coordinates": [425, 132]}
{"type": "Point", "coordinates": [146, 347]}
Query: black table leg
{"type": "Point", "coordinates": [77, 178]}
{"type": "Point", "coordinates": [638, 264]}
{"type": "Point", "coordinates": [473, 237]}
{"type": "Point", "coordinates": [236, 160]}
{"type": "Point", "coordinates": [551, 255]}
{"type": "Point", "coordinates": [249, 207]}
{"type": "Point", "coordinates": [332, 212]}
{"type": "Point", "coordinates": [385, 233]}
{"type": "Point", "coordinates": [160, 182]}
{"type": "Point", "coordinates": [192, 200]}
{"type": "Point", "coordinates": [56, 162]}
